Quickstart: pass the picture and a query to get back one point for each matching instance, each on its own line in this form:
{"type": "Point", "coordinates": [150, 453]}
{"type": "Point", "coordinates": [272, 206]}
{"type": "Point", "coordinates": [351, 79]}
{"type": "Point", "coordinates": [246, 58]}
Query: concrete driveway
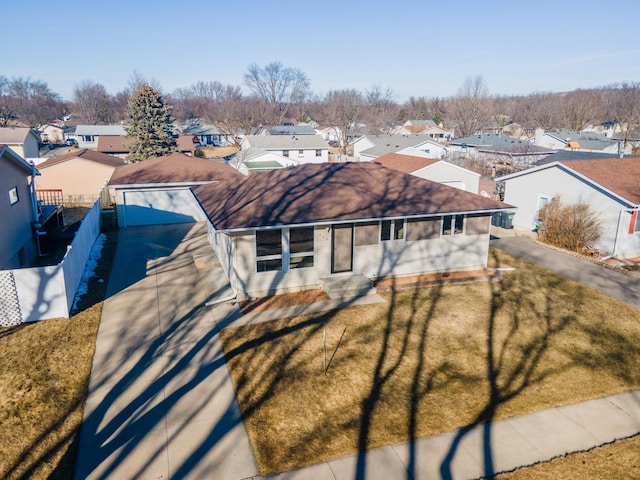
{"type": "Point", "coordinates": [161, 403]}
{"type": "Point", "coordinates": [610, 282]}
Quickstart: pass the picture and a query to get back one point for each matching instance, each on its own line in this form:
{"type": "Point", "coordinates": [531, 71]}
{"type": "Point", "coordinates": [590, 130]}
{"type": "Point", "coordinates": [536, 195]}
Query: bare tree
{"type": "Point", "coordinates": [381, 109]}
{"type": "Point", "coordinates": [580, 107]}
{"type": "Point", "coordinates": [343, 110]}
{"type": "Point", "coordinates": [623, 107]}
{"type": "Point", "coordinates": [93, 103]}
{"type": "Point", "coordinates": [32, 102]}
{"type": "Point", "coordinates": [470, 110]}
{"type": "Point", "coordinates": [278, 87]}
{"type": "Point", "coordinates": [8, 104]}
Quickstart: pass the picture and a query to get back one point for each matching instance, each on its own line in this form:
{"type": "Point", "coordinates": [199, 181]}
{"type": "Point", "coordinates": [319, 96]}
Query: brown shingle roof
{"type": "Point", "coordinates": [84, 154]}
{"type": "Point", "coordinates": [404, 163]}
{"type": "Point", "coordinates": [174, 168]}
{"type": "Point", "coordinates": [118, 143]}
{"type": "Point", "coordinates": [620, 175]}
{"type": "Point", "coordinates": [315, 193]}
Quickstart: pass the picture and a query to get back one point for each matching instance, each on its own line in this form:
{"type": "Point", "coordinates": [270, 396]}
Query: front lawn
{"type": "Point", "coordinates": [429, 360]}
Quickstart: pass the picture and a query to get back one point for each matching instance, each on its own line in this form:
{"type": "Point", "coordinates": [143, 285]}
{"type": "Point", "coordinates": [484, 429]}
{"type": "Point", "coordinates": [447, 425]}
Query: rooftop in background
{"type": "Point", "coordinates": [404, 163]}
{"type": "Point", "coordinates": [287, 130]}
{"type": "Point", "coordinates": [101, 130]}
{"type": "Point", "coordinates": [286, 142]}
{"type": "Point", "coordinates": [562, 155]}
{"type": "Point", "coordinates": [499, 143]}
{"type": "Point", "coordinates": [173, 169]}
{"type": "Point", "coordinates": [331, 192]}
{"type": "Point", "coordinates": [84, 154]}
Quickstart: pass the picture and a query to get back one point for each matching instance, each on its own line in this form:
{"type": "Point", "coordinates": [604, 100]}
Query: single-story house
{"type": "Point", "coordinates": [494, 146]}
{"type": "Point", "coordinates": [52, 133]}
{"type": "Point", "coordinates": [299, 148]}
{"type": "Point", "coordinates": [208, 135]}
{"type": "Point", "coordinates": [22, 140]}
{"type": "Point", "coordinates": [18, 247]}
{"type": "Point", "coordinates": [255, 160]}
{"type": "Point", "coordinates": [439, 171]}
{"type": "Point", "coordinates": [88, 135]}
{"type": "Point", "coordinates": [80, 174]}
{"type": "Point", "coordinates": [580, 141]}
{"type": "Point", "coordinates": [292, 229]}
{"type": "Point", "coordinates": [118, 146]}
{"type": "Point", "coordinates": [157, 191]}
{"type": "Point", "coordinates": [610, 186]}
{"type": "Point", "coordinates": [370, 147]}
{"type": "Point", "coordinates": [286, 130]}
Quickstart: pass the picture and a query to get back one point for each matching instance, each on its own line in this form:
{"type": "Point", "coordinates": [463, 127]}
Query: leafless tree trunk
{"type": "Point", "coordinates": [343, 110]}
{"type": "Point", "coordinates": [471, 109]}
{"type": "Point", "coordinates": [381, 110]}
{"type": "Point", "coordinates": [278, 87]}
{"type": "Point", "coordinates": [623, 107]}
{"type": "Point", "coordinates": [93, 103]}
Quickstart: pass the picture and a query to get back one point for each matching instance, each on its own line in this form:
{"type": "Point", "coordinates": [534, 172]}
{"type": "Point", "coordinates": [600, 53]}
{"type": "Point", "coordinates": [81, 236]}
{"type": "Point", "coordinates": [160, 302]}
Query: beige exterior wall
{"type": "Point", "coordinates": [17, 244]}
{"type": "Point", "coordinates": [75, 177]}
{"type": "Point", "coordinates": [237, 255]}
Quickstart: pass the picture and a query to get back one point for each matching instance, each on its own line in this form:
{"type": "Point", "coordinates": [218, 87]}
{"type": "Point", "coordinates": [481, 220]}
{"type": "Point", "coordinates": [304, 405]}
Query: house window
{"type": "Point", "coordinates": [452, 224]}
{"type": "Point", "coordinates": [301, 249]}
{"type": "Point", "coordinates": [285, 153]}
{"type": "Point", "coordinates": [269, 250]}
{"type": "Point", "coordinates": [300, 152]}
{"type": "Point", "coordinates": [87, 138]}
{"type": "Point", "coordinates": [13, 195]}
{"type": "Point", "coordinates": [391, 230]}
{"type": "Point", "coordinates": [318, 153]}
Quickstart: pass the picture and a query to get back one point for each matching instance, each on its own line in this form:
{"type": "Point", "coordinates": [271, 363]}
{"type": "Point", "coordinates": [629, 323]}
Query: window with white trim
{"type": "Point", "coordinates": [392, 230]}
{"type": "Point", "coordinates": [13, 195]}
{"type": "Point", "coordinates": [301, 247]}
{"type": "Point", "coordinates": [269, 250]}
{"type": "Point", "coordinates": [452, 224]}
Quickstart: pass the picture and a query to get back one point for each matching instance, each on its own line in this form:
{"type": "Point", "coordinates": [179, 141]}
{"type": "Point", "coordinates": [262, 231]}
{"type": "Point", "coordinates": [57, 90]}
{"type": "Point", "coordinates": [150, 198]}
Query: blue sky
{"type": "Point", "coordinates": [415, 48]}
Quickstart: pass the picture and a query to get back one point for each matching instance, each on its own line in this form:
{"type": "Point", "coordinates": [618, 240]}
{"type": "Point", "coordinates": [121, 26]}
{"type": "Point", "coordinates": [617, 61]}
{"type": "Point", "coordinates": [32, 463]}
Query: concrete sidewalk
{"type": "Point", "coordinates": [487, 449]}
{"type": "Point", "coordinates": [615, 284]}
{"type": "Point", "coordinates": [161, 403]}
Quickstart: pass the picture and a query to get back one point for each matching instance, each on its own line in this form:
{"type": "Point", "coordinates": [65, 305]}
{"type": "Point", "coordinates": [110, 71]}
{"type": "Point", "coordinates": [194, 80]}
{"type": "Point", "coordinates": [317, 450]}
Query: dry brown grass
{"type": "Point", "coordinates": [429, 360]}
{"type": "Point", "coordinates": [44, 377]}
{"type": "Point", "coordinates": [618, 460]}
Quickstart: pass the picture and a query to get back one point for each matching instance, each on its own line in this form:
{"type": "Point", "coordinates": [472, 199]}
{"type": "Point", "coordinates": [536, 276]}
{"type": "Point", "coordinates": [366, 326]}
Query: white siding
{"type": "Point", "coordinates": [525, 190]}
{"type": "Point", "coordinates": [448, 174]}
{"type": "Point", "coordinates": [157, 206]}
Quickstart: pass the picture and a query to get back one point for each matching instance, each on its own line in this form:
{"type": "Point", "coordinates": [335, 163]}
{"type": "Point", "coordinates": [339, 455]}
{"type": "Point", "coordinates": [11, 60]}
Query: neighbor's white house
{"type": "Point", "coordinates": [301, 227]}
{"type": "Point", "coordinates": [370, 147]}
{"type": "Point", "coordinates": [610, 186]}
{"type": "Point", "coordinates": [298, 148]}
{"type": "Point", "coordinates": [88, 135]}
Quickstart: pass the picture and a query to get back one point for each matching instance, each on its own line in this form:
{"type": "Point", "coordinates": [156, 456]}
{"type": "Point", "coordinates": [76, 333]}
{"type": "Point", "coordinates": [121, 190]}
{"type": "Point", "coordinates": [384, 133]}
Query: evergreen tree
{"type": "Point", "coordinates": [150, 125]}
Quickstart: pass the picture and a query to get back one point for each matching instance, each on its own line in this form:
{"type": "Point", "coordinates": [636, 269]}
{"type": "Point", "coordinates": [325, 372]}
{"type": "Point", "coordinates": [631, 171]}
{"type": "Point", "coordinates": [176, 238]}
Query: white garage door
{"type": "Point", "coordinates": [155, 207]}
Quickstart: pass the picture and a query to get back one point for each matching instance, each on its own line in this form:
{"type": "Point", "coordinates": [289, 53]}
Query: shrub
{"type": "Point", "coordinates": [573, 227]}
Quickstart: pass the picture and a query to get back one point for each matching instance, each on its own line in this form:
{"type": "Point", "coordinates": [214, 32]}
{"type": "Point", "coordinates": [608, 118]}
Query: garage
{"type": "Point", "coordinates": [158, 207]}
{"type": "Point", "coordinates": [158, 191]}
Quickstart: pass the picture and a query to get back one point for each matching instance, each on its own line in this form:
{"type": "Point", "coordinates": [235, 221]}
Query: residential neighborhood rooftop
{"type": "Point", "coordinates": [499, 142]}
{"type": "Point", "coordinates": [405, 163]}
{"type": "Point", "coordinates": [86, 154]}
{"type": "Point", "coordinates": [280, 142]}
{"type": "Point", "coordinates": [173, 169]}
{"type": "Point", "coordinates": [620, 175]}
{"type": "Point", "coordinates": [100, 130]}
{"type": "Point", "coordinates": [331, 192]}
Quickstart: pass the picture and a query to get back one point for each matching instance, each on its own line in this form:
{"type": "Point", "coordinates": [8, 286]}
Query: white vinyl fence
{"type": "Point", "coordinates": [39, 293]}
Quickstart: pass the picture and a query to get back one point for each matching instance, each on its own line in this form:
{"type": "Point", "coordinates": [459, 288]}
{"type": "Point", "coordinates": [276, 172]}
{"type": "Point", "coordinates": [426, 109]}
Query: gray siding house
{"type": "Point", "coordinates": [18, 247]}
{"type": "Point", "coordinates": [610, 186]}
{"type": "Point", "coordinates": [291, 229]}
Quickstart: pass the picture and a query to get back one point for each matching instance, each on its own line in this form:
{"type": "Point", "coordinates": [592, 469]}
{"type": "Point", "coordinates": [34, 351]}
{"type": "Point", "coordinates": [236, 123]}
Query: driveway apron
{"type": "Point", "coordinates": [161, 403]}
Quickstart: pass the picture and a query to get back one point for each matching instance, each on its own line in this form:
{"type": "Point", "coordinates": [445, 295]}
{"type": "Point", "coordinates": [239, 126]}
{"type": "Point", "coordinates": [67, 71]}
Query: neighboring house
{"type": "Point", "coordinates": [52, 133]}
{"type": "Point", "coordinates": [293, 229]}
{"type": "Point", "coordinates": [157, 191]}
{"type": "Point", "coordinates": [496, 147]}
{"type": "Point", "coordinates": [299, 148]}
{"type": "Point", "coordinates": [80, 174]}
{"type": "Point", "coordinates": [18, 212]}
{"type": "Point", "coordinates": [609, 186]}
{"type": "Point", "coordinates": [22, 140]}
{"type": "Point", "coordinates": [562, 155]}
{"type": "Point", "coordinates": [435, 170]}
{"type": "Point", "coordinates": [287, 130]}
{"type": "Point", "coordinates": [370, 147]}
{"type": "Point", "coordinates": [580, 141]}
{"type": "Point", "coordinates": [424, 127]}
{"type": "Point", "coordinates": [208, 135]}
{"type": "Point", "coordinates": [118, 146]}
{"type": "Point", "coordinates": [88, 135]}
{"type": "Point", "coordinates": [330, 134]}
{"type": "Point", "coordinates": [255, 160]}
